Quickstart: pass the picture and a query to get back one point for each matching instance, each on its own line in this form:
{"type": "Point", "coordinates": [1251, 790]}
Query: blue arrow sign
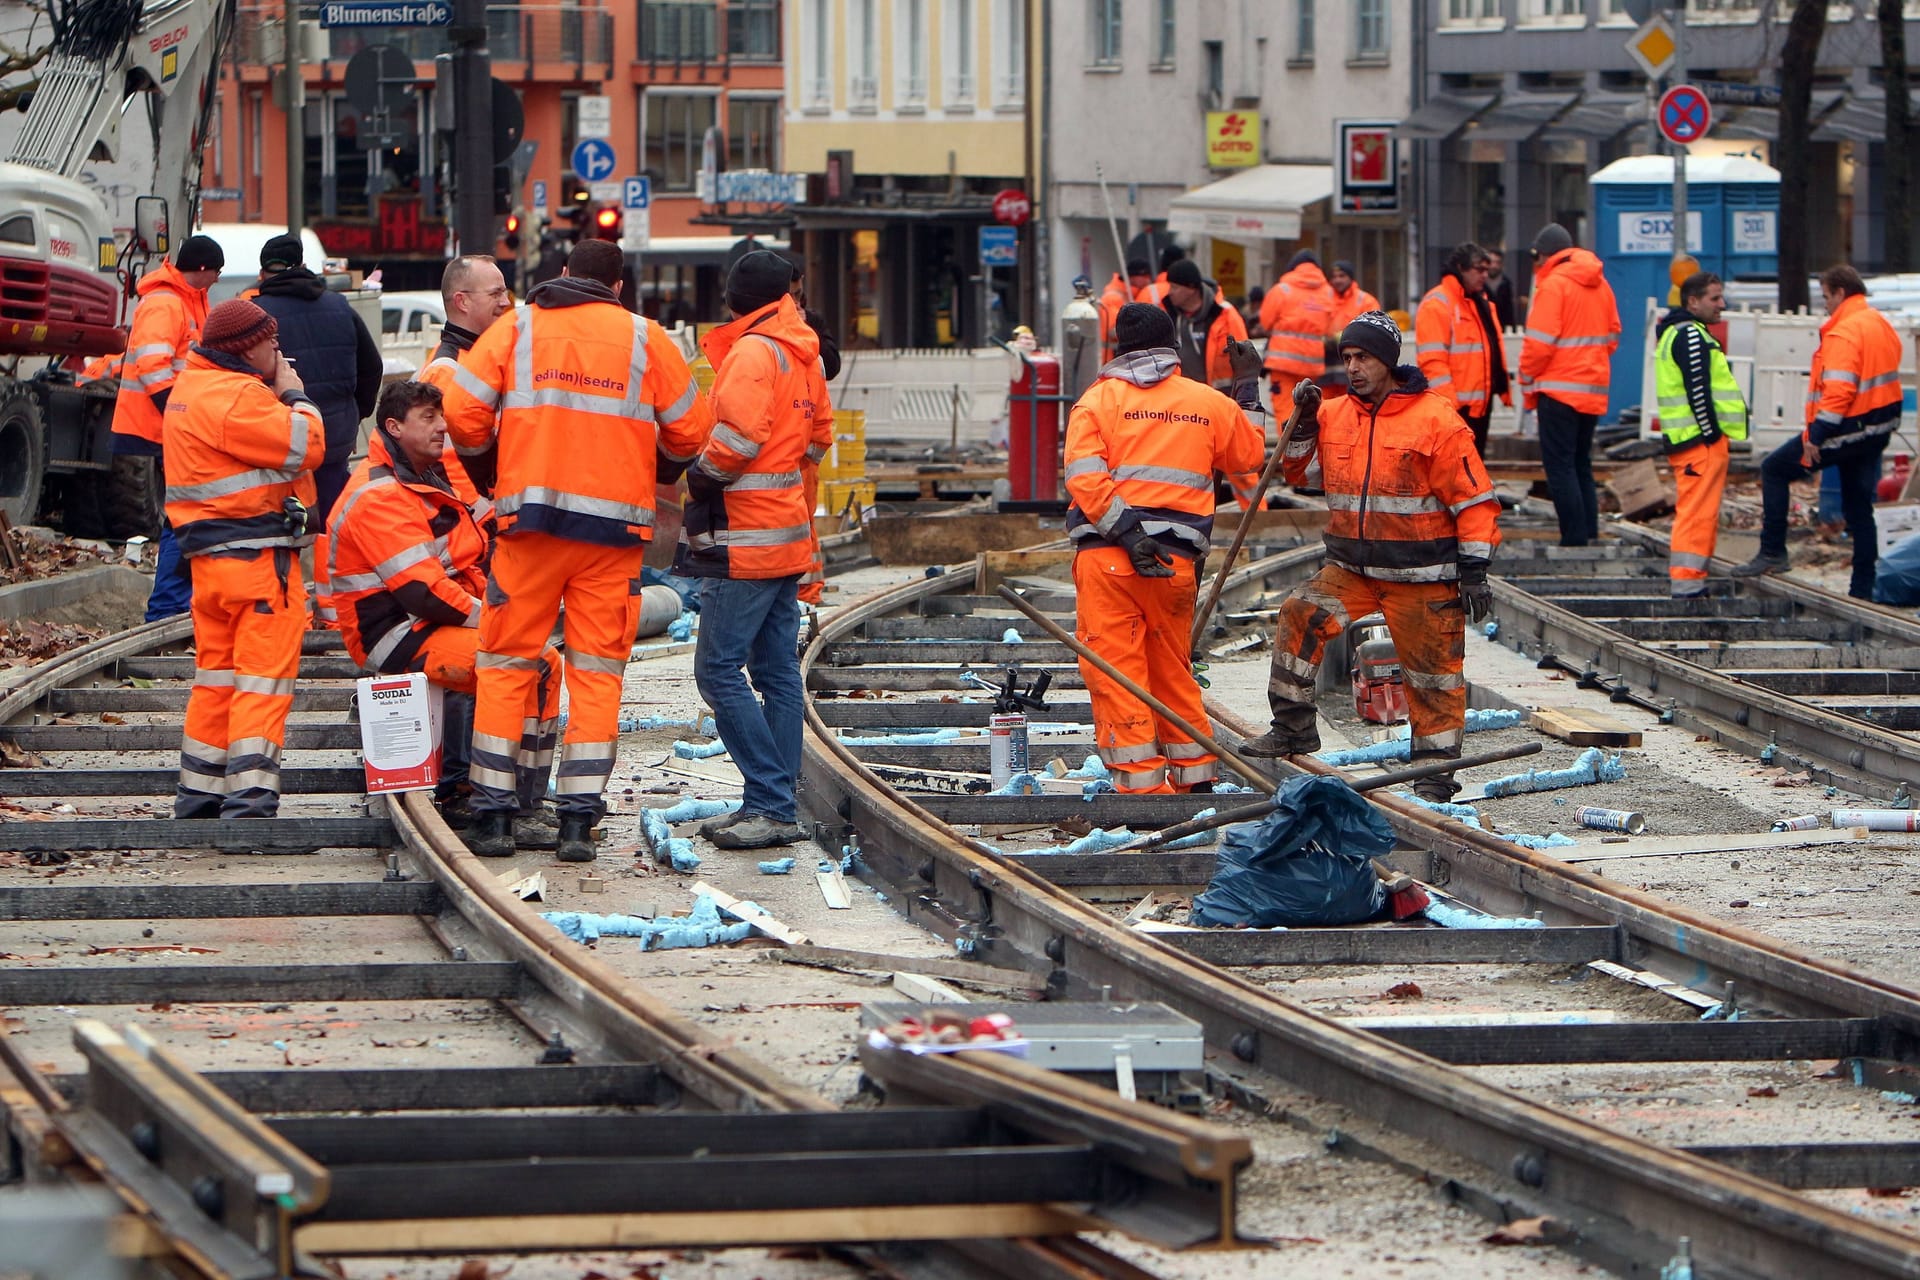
{"type": "Point", "coordinates": [372, 13]}
{"type": "Point", "coordinates": [593, 159]}
{"type": "Point", "coordinates": [637, 193]}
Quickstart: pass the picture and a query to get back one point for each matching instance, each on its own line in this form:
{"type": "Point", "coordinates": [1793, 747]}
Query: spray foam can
{"type": "Point", "coordinates": [1007, 747]}
{"type": "Point", "coordinates": [1805, 822]}
{"type": "Point", "coordinates": [1610, 820]}
{"type": "Point", "coordinates": [1878, 819]}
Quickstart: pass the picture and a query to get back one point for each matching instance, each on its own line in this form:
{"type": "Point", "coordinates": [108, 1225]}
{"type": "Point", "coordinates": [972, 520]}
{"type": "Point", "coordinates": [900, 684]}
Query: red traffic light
{"type": "Point", "coordinates": [606, 223]}
{"type": "Point", "coordinates": [608, 217]}
{"type": "Point", "coordinates": [513, 223]}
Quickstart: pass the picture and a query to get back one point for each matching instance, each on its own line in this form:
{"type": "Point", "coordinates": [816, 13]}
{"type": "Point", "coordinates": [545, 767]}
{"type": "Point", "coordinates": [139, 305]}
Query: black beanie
{"type": "Point", "coordinates": [1376, 334]}
{"type": "Point", "coordinates": [1186, 272]}
{"type": "Point", "coordinates": [1302, 257]}
{"type": "Point", "coordinates": [1139, 326]}
{"type": "Point", "coordinates": [761, 277]}
{"type": "Point", "coordinates": [200, 253]}
{"type": "Point", "coordinates": [1552, 239]}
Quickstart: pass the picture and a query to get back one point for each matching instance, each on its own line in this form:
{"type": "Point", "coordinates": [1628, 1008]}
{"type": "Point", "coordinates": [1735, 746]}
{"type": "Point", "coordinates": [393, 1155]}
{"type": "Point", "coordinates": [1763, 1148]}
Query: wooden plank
{"type": "Point", "coordinates": [833, 887]}
{"type": "Point", "coordinates": [217, 901]}
{"type": "Point", "coordinates": [1140, 812]}
{"type": "Point", "coordinates": [918, 987]}
{"type": "Point", "coordinates": [144, 984]}
{"type": "Point", "coordinates": [956, 537]}
{"type": "Point", "coordinates": [295, 781]}
{"type": "Point", "coordinates": [752, 913]}
{"type": "Point", "coordinates": [903, 715]}
{"type": "Point", "coordinates": [1584, 728]}
{"type": "Point", "coordinates": [1773, 1040]}
{"type": "Point", "coordinates": [163, 737]}
{"type": "Point", "coordinates": [1398, 945]}
{"type": "Point", "coordinates": [92, 701]}
{"type": "Point", "coordinates": [1822, 1166]}
{"type": "Point", "coordinates": [1686, 846]}
{"type": "Point", "coordinates": [235, 835]}
{"type": "Point", "coordinates": [991, 568]}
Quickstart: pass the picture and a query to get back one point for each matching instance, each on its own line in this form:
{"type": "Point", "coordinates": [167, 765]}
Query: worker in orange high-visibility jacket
{"type": "Point", "coordinates": [747, 533]}
{"type": "Point", "coordinates": [1143, 444]}
{"type": "Point", "coordinates": [1566, 366]}
{"type": "Point", "coordinates": [1297, 314]}
{"type": "Point", "coordinates": [1118, 293]}
{"type": "Point", "coordinates": [1350, 301]}
{"type": "Point", "coordinates": [1457, 341]}
{"type": "Point", "coordinates": [1413, 525]}
{"type": "Point", "coordinates": [813, 583]}
{"type": "Point", "coordinates": [100, 368]}
{"type": "Point", "coordinates": [1153, 292]}
{"type": "Point", "coordinates": [1206, 328]}
{"type": "Point", "coordinates": [590, 405]}
{"type": "Point", "coordinates": [241, 441]}
{"type": "Point", "coordinates": [167, 318]}
{"type": "Point", "coordinates": [1853, 406]}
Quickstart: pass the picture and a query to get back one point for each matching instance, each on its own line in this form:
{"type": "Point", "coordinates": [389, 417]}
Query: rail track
{"type": "Point", "coordinates": [907, 659]}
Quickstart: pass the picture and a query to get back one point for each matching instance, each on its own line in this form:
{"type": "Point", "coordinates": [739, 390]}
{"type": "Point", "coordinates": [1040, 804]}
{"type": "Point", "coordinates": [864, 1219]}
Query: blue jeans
{"type": "Point", "coordinates": [172, 579]}
{"type": "Point", "coordinates": [755, 624]}
{"type": "Point", "coordinates": [1858, 466]}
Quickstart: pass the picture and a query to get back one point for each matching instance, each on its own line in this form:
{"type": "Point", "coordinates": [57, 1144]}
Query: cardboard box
{"type": "Point", "coordinates": [1894, 523]}
{"type": "Point", "coordinates": [1643, 488]}
{"type": "Point", "coordinates": [399, 732]}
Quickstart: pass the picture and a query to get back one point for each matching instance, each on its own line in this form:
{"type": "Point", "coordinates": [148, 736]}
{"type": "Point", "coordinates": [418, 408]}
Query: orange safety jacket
{"type": "Point", "coordinates": [1115, 296]}
{"type": "Point", "coordinates": [1142, 446]}
{"type": "Point", "coordinates": [1297, 314]}
{"type": "Point", "coordinates": [1354, 303]}
{"type": "Point", "coordinates": [747, 510]}
{"type": "Point", "coordinates": [1153, 294]}
{"type": "Point", "coordinates": [1224, 322]}
{"type": "Point", "coordinates": [1572, 328]}
{"type": "Point", "coordinates": [454, 342]}
{"type": "Point", "coordinates": [584, 400]}
{"type": "Point", "coordinates": [166, 322]}
{"type": "Point", "coordinates": [1454, 349]}
{"type": "Point", "coordinates": [1408, 496]}
{"type": "Point", "coordinates": [1853, 389]}
{"type": "Point", "coordinates": [404, 557]}
{"type": "Point", "coordinates": [234, 454]}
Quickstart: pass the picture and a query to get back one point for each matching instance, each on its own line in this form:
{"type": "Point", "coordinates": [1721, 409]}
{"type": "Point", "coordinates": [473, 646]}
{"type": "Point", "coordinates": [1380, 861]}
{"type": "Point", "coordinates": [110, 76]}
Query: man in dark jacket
{"type": "Point", "coordinates": [338, 358]}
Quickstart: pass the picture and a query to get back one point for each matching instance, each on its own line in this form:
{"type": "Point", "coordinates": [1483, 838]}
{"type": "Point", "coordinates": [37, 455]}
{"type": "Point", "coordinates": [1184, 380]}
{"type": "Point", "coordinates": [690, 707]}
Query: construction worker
{"type": "Point", "coordinates": [1701, 408]}
{"type": "Point", "coordinates": [1349, 299]}
{"type": "Point", "coordinates": [1500, 288]}
{"type": "Point", "coordinates": [1853, 405]}
{"type": "Point", "coordinates": [1118, 293]}
{"type": "Point", "coordinates": [1297, 314]}
{"type": "Point", "coordinates": [240, 444]}
{"type": "Point", "coordinates": [1457, 341]}
{"type": "Point", "coordinates": [813, 583]}
{"type": "Point", "coordinates": [166, 323]}
{"type": "Point", "coordinates": [474, 292]}
{"type": "Point", "coordinates": [589, 404]}
{"type": "Point", "coordinates": [1142, 447]}
{"type": "Point", "coordinates": [1565, 366]}
{"type": "Point", "coordinates": [1206, 326]}
{"type": "Point", "coordinates": [1154, 292]}
{"type": "Point", "coordinates": [408, 566]}
{"type": "Point", "coordinates": [1413, 527]}
{"type": "Point", "coordinates": [747, 534]}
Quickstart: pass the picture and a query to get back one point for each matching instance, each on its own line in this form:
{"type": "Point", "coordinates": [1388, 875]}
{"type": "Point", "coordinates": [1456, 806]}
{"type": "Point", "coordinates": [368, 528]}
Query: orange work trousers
{"type": "Point", "coordinates": [1700, 474]}
{"type": "Point", "coordinates": [248, 619]}
{"type": "Point", "coordinates": [1429, 631]}
{"type": "Point", "coordinates": [533, 575]}
{"type": "Point", "coordinates": [1143, 626]}
{"type": "Point", "coordinates": [449, 657]}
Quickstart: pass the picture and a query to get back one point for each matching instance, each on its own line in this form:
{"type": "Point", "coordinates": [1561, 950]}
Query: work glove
{"type": "Point", "coordinates": [1476, 594]}
{"type": "Point", "coordinates": [1150, 559]}
{"type": "Point", "coordinates": [1306, 397]}
{"type": "Point", "coordinates": [1243, 358]}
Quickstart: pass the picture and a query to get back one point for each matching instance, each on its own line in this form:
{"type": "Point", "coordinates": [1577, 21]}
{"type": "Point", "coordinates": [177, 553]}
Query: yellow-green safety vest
{"type": "Point", "coordinates": [1676, 415]}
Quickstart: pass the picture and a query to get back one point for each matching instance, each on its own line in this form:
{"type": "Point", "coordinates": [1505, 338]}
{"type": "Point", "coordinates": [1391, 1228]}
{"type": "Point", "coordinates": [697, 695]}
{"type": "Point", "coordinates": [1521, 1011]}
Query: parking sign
{"type": "Point", "coordinates": [637, 193]}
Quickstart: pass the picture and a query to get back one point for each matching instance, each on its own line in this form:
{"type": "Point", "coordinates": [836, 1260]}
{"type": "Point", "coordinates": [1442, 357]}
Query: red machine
{"type": "Point", "coordinates": [1034, 440]}
{"type": "Point", "coordinates": [1379, 694]}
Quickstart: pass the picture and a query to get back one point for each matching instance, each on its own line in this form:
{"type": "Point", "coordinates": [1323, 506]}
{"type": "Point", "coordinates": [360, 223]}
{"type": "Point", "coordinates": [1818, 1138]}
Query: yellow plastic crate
{"type": "Point", "coordinates": [847, 459]}
{"type": "Point", "coordinates": [835, 495]}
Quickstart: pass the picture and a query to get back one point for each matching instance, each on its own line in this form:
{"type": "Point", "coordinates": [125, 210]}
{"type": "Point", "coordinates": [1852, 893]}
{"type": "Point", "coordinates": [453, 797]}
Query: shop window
{"type": "Point", "coordinates": [676, 125]}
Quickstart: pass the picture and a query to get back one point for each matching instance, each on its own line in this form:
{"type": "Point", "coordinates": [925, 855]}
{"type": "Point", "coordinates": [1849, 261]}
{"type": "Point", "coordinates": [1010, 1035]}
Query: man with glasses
{"type": "Point", "coordinates": [475, 292]}
{"type": "Point", "coordinates": [1457, 341]}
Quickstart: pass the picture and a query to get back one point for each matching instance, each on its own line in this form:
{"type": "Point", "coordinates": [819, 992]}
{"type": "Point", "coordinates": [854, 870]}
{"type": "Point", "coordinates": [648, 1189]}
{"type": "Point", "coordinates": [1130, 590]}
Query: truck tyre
{"type": "Point", "coordinates": [23, 457]}
{"type": "Point", "coordinates": [128, 498]}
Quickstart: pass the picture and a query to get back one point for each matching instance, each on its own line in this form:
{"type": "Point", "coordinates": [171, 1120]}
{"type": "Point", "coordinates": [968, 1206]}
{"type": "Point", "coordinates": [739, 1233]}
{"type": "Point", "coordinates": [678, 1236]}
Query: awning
{"type": "Point", "coordinates": [1758, 124]}
{"type": "Point", "coordinates": [1262, 203]}
{"type": "Point", "coordinates": [1518, 116]}
{"type": "Point", "coordinates": [1861, 118]}
{"type": "Point", "coordinates": [1599, 116]}
{"type": "Point", "coordinates": [1443, 115]}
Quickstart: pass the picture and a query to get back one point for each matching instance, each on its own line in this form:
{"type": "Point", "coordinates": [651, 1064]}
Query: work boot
{"type": "Point", "coordinates": [1761, 565]}
{"type": "Point", "coordinates": [725, 820]}
{"type": "Point", "coordinates": [1277, 742]}
{"type": "Point", "coordinates": [1440, 789]}
{"type": "Point", "coordinates": [490, 834]}
{"type": "Point", "coordinates": [456, 810]}
{"type": "Point", "coordinates": [757, 831]}
{"type": "Point", "coordinates": [536, 828]}
{"type": "Point", "coordinates": [576, 839]}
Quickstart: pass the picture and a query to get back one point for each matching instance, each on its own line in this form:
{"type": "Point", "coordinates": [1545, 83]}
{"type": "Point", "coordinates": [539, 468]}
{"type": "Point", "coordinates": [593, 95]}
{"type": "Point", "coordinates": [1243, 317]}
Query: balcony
{"type": "Point", "coordinates": [708, 31]}
{"type": "Point", "coordinates": [576, 34]}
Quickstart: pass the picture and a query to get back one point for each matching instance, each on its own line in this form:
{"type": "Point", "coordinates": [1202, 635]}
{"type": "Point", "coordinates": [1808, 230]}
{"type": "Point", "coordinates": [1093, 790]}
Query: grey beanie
{"type": "Point", "coordinates": [1552, 239]}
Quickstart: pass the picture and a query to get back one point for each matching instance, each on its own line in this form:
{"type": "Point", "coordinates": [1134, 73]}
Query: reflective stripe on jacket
{"type": "Point", "coordinates": [583, 397]}
{"type": "Point", "coordinates": [166, 324]}
{"type": "Point", "coordinates": [1853, 390]}
{"type": "Point", "coordinates": [1142, 446]}
{"type": "Point", "coordinates": [1454, 349]}
{"type": "Point", "coordinates": [1297, 314]}
{"type": "Point", "coordinates": [1717, 396]}
{"type": "Point", "coordinates": [747, 510]}
{"type": "Point", "coordinates": [1572, 329]}
{"type": "Point", "coordinates": [404, 556]}
{"type": "Point", "coordinates": [234, 453]}
{"type": "Point", "coordinates": [1408, 495]}
{"type": "Point", "coordinates": [439, 373]}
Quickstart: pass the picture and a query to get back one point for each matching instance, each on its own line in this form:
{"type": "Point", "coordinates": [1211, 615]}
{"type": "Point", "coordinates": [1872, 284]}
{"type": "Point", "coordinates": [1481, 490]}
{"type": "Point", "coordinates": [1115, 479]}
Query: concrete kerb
{"type": "Point", "coordinates": [31, 599]}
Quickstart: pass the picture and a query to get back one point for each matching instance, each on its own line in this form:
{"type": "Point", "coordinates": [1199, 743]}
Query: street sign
{"type": "Point", "coordinates": [540, 205]}
{"type": "Point", "coordinates": [362, 13]}
{"type": "Point", "coordinates": [595, 116]}
{"type": "Point", "coordinates": [220, 193]}
{"type": "Point", "coordinates": [999, 247]}
{"type": "Point", "coordinates": [603, 192]}
{"type": "Point", "coordinates": [593, 160]}
{"type": "Point", "coordinates": [1684, 115]}
{"type": "Point", "coordinates": [636, 230]}
{"type": "Point", "coordinates": [1732, 93]}
{"type": "Point", "coordinates": [1012, 207]}
{"type": "Point", "coordinates": [1653, 46]}
{"type": "Point", "coordinates": [637, 193]}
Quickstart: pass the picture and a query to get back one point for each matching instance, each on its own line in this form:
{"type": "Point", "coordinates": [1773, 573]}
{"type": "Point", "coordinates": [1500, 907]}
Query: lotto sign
{"type": "Point", "coordinates": [1233, 139]}
{"type": "Point", "coordinates": [1684, 115]}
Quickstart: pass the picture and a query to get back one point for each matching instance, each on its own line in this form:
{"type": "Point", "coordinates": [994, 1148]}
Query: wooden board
{"type": "Point", "coordinates": [1584, 728]}
{"type": "Point", "coordinates": [954, 539]}
{"type": "Point", "coordinates": [1682, 846]}
{"type": "Point", "coordinates": [991, 568]}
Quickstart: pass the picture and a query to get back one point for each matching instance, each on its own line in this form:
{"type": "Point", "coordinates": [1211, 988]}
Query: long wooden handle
{"type": "Point", "coordinates": [1205, 612]}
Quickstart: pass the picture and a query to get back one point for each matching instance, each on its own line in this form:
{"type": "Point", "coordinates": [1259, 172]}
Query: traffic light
{"type": "Point", "coordinates": [570, 220]}
{"type": "Point", "coordinates": [606, 223]}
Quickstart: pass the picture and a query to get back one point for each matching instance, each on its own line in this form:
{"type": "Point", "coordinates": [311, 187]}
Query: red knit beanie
{"type": "Point", "coordinates": [236, 326]}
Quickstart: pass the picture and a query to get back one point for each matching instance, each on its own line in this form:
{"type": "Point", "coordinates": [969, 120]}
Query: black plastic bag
{"type": "Point", "coordinates": [1306, 863]}
{"type": "Point", "coordinates": [1896, 580]}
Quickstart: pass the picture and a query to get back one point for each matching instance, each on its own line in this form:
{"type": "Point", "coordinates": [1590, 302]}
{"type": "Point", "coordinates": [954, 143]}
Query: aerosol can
{"type": "Point", "coordinates": [1007, 745]}
{"type": "Point", "coordinates": [1379, 693]}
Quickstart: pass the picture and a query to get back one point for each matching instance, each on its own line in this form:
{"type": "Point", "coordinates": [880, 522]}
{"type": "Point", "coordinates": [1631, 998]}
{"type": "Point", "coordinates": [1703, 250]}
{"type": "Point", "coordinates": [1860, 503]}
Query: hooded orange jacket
{"type": "Point", "coordinates": [1297, 314]}
{"type": "Point", "coordinates": [1572, 328]}
{"type": "Point", "coordinates": [166, 323]}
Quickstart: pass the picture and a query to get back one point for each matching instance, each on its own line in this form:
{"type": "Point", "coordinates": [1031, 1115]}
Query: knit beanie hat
{"type": "Point", "coordinates": [1186, 272]}
{"type": "Point", "coordinates": [1139, 326]}
{"type": "Point", "coordinates": [1303, 256]}
{"type": "Point", "coordinates": [200, 253]}
{"type": "Point", "coordinates": [236, 326]}
{"type": "Point", "coordinates": [1341, 264]}
{"type": "Point", "coordinates": [759, 278]}
{"type": "Point", "coordinates": [1376, 334]}
{"type": "Point", "coordinates": [1552, 239]}
{"type": "Point", "coordinates": [282, 252]}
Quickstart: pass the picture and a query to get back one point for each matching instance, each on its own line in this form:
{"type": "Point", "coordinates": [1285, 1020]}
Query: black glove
{"type": "Point", "coordinates": [1243, 358]}
{"type": "Point", "coordinates": [703, 487]}
{"type": "Point", "coordinates": [1476, 594]}
{"type": "Point", "coordinates": [1306, 396]}
{"type": "Point", "coordinates": [668, 470]}
{"type": "Point", "coordinates": [1150, 559]}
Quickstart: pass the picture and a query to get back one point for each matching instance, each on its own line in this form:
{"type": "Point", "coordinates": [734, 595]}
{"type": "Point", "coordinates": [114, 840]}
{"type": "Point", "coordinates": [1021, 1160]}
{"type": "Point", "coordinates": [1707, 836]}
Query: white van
{"type": "Point", "coordinates": [242, 242]}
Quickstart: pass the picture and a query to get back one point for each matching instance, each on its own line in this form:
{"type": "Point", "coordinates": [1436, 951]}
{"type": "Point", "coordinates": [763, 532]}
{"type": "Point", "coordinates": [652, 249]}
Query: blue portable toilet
{"type": "Point", "coordinates": [1733, 220]}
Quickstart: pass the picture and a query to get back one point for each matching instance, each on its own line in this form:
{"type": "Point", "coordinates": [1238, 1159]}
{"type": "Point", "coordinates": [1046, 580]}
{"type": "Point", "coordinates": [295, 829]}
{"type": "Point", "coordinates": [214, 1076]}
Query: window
{"type": "Point", "coordinates": [1473, 13]}
{"type": "Point", "coordinates": [960, 54]}
{"type": "Point", "coordinates": [1613, 13]}
{"type": "Point", "coordinates": [1558, 13]}
{"type": "Point", "coordinates": [753, 30]}
{"type": "Point", "coordinates": [1163, 33]}
{"type": "Point", "coordinates": [753, 126]}
{"type": "Point", "coordinates": [1370, 30]}
{"type": "Point", "coordinates": [1216, 66]}
{"type": "Point", "coordinates": [1106, 32]}
{"type": "Point", "coordinates": [676, 126]}
{"type": "Point", "coordinates": [1009, 53]}
{"type": "Point", "coordinates": [910, 46]}
{"type": "Point", "coordinates": [1303, 31]}
{"type": "Point", "coordinates": [816, 35]}
{"type": "Point", "coordinates": [863, 55]}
